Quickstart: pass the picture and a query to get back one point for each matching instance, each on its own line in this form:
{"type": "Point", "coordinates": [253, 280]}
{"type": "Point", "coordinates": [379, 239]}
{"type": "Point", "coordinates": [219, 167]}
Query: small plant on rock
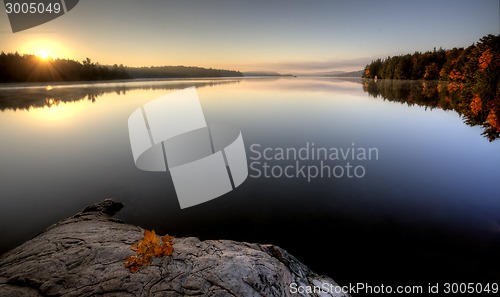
{"type": "Point", "coordinates": [147, 248]}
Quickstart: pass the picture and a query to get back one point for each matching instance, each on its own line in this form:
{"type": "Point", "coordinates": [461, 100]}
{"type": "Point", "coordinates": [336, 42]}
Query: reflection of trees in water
{"type": "Point", "coordinates": [439, 94]}
{"type": "Point", "coordinates": [47, 96]}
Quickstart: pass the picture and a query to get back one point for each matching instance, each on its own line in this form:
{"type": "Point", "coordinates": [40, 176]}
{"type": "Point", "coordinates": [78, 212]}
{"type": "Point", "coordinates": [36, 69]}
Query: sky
{"type": "Point", "coordinates": [286, 36]}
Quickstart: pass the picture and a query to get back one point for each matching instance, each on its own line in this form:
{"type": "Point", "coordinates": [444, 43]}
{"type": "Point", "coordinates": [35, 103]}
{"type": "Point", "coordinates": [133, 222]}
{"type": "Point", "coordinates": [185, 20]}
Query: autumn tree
{"type": "Point", "coordinates": [469, 80]}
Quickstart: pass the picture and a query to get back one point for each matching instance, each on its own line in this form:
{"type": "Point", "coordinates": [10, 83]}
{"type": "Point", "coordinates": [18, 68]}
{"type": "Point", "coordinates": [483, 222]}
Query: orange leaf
{"type": "Point", "coordinates": [167, 250]}
{"type": "Point", "coordinates": [150, 237]}
{"type": "Point", "coordinates": [158, 251]}
{"type": "Point", "coordinates": [147, 248]}
{"type": "Point", "coordinates": [167, 239]}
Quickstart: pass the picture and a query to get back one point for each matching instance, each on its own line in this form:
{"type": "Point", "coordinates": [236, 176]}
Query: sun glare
{"type": "Point", "coordinates": [44, 48]}
{"type": "Point", "coordinates": [43, 54]}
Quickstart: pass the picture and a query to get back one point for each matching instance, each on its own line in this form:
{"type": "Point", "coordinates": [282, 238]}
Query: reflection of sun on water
{"type": "Point", "coordinates": [50, 102]}
{"type": "Point", "coordinates": [56, 111]}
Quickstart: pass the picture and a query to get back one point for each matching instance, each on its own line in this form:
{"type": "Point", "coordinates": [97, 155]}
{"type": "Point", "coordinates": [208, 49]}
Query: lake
{"type": "Point", "coordinates": [423, 207]}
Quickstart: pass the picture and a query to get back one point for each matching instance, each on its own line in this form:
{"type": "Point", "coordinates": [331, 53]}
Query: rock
{"type": "Point", "coordinates": [84, 256]}
{"type": "Point", "coordinates": [108, 206]}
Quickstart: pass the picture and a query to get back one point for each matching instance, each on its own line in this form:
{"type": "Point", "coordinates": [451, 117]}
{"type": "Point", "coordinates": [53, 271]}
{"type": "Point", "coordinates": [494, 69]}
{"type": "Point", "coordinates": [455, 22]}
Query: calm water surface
{"type": "Point", "coordinates": [427, 209]}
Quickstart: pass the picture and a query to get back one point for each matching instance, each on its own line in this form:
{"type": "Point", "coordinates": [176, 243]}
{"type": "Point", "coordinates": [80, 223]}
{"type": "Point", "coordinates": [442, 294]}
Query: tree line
{"type": "Point", "coordinates": [30, 68]}
{"type": "Point", "coordinates": [179, 72]}
{"type": "Point", "coordinates": [468, 78]}
{"type": "Point", "coordinates": [437, 64]}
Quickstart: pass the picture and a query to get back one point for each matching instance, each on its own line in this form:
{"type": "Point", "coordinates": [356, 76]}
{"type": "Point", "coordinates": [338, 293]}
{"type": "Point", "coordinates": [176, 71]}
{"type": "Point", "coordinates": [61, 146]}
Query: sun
{"type": "Point", "coordinates": [43, 54]}
{"type": "Point", "coordinates": [45, 49]}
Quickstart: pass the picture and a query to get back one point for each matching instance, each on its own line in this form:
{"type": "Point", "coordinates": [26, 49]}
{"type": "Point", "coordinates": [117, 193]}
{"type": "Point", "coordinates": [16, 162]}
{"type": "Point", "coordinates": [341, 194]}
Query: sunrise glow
{"type": "Point", "coordinates": [44, 48]}
{"type": "Point", "coordinates": [43, 54]}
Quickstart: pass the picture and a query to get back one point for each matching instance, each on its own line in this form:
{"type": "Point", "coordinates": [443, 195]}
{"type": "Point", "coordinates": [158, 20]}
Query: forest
{"type": "Point", "coordinates": [179, 72]}
{"type": "Point", "coordinates": [31, 68]}
{"type": "Point", "coordinates": [468, 79]}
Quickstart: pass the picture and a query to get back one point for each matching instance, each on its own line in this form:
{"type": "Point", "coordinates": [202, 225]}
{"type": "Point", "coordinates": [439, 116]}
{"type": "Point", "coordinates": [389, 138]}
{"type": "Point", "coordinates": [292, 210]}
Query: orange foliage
{"type": "Point", "coordinates": [148, 247]}
{"type": "Point", "coordinates": [485, 59]}
{"type": "Point", "coordinates": [476, 105]}
{"type": "Point", "coordinates": [453, 87]}
{"type": "Point", "coordinates": [431, 71]}
{"type": "Point", "coordinates": [441, 72]}
{"type": "Point", "coordinates": [492, 119]}
{"type": "Point", "coordinates": [456, 75]}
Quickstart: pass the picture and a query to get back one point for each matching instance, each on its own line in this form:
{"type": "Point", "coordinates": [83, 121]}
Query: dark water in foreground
{"type": "Point", "coordinates": [425, 209]}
